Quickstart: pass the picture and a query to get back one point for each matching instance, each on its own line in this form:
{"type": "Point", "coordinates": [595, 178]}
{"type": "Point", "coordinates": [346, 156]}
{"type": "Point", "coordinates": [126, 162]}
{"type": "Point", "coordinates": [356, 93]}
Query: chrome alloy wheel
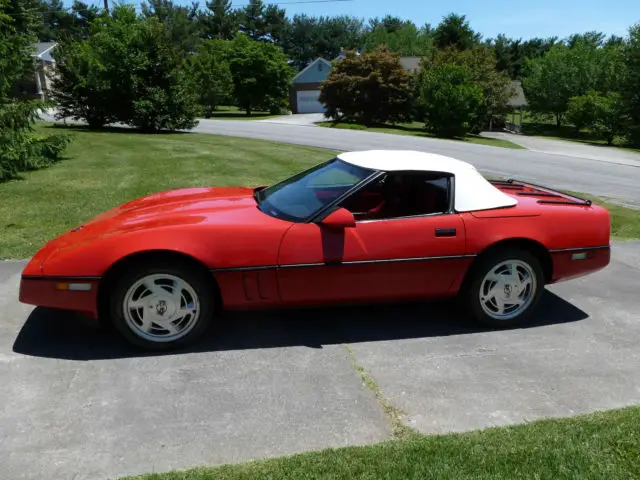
{"type": "Point", "coordinates": [508, 289]}
{"type": "Point", "coordinates": [161, 308]}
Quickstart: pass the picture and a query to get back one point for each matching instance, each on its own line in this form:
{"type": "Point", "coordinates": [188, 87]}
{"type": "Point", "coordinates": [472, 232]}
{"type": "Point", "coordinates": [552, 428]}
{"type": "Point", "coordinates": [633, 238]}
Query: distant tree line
{"type": "Point", "coordinates": [302, 38]}
{"type": "Point", "coordinates": [588, 80]}
{"type": "Point", "coordinates": [169, 63]}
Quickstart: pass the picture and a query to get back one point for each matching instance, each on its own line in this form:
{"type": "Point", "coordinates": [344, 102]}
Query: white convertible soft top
{"type": "Point", "coordinates": [472, 190]}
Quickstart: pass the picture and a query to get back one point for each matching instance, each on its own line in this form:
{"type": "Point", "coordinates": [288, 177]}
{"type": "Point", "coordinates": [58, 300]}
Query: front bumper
{"type": "Point", "coordinates": [78, 294]}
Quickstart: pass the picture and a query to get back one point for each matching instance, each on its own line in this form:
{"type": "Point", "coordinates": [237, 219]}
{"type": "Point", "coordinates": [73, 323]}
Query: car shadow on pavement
{"type": "Point", "coordinates": [65, 335]}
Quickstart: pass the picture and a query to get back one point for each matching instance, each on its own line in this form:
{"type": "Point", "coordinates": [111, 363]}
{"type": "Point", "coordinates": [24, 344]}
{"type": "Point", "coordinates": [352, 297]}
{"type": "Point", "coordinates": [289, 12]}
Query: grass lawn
{"type": "Point", "coordinates": [105, 169]}
{"type": "Point", "coordinates": [546, 127]}
{"type": "Point", "coordinates": [234, 113]}
{"type": "Point", "coordinates": [596, 446]}
{"type": "Point", "coordinates": [416, 129]}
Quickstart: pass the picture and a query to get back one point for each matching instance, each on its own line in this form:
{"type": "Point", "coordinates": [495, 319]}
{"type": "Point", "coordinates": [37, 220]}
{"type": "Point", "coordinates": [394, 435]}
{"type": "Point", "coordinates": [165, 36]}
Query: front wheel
{"type": "Point", "coordinates": [505, 288]}
{"type": "Point", "coordinates": [161, 307]}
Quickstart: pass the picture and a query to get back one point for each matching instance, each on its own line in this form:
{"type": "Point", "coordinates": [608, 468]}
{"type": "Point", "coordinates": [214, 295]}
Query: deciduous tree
{"type": "Point", "coordinates": [631, 83]}
{"type": "Point", "coordinates": [563, 72]}
{"type": "Point", "coordinates": [261, 75]}
{"type": "Point", "coordinates": [496, 86]}
{"type": "Point", "coordinates": [602, 115]}
{"type": "Point", "coordinates": [128, 71]}
{"type": "Point", "coordinates": [451, 101]}
{"type": "Point", "coordinates": [369, 88]}
{"type": "Point", "coordinates": [210, 73]}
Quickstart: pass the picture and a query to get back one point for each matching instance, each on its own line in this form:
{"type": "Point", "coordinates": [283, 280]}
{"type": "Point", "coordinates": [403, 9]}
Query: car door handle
{"type": "Point", "coordinates": [445, 232]}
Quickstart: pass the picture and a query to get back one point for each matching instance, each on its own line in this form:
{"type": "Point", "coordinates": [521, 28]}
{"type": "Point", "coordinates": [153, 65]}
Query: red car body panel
{"type": "Point", "coordinates": [261, 261]}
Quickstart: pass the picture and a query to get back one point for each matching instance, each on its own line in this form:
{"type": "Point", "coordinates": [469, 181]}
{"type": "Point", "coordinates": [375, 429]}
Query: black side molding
{"type": "Point", "coordinates": [445, 232]}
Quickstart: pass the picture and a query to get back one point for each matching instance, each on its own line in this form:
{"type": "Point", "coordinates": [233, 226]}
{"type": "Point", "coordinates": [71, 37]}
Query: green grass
{"type": "Point", "coordinates": [540, 126]}
{"type": "Point", "coordinates": [399, 429]}
{"type": "Point", "coordinates": [416, 129]}
{"type": "Point", "coordinates": [234, 113]}
{"type": "Point", "coordinates": [597, 446]}
{"type": "Point", "coordinates": [105, 169]}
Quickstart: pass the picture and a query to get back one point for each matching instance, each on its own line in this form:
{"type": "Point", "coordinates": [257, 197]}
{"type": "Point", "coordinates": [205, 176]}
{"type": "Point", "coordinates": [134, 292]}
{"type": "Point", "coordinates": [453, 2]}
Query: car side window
{"type": "Point", "coordinates": [401, 194]}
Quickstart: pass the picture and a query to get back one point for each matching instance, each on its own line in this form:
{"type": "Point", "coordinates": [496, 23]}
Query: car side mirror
{"type": "Point", "coordinates": [340, 218]}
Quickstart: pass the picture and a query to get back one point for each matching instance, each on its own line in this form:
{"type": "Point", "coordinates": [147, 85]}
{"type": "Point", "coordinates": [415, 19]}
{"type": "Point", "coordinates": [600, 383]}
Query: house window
{"type": "Point", "coordinates": [319, 66]}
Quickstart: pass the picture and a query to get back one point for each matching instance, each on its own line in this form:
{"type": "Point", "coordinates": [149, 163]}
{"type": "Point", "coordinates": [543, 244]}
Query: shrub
{"type": "Point", "coordinates": [369, 88]}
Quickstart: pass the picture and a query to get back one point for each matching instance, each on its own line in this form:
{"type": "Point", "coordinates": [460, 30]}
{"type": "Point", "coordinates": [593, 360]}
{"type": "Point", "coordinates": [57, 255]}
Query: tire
{"type": "Point", "coordinates": [480, 286]}
{"type": "Point", "coordinates": [152, 319]}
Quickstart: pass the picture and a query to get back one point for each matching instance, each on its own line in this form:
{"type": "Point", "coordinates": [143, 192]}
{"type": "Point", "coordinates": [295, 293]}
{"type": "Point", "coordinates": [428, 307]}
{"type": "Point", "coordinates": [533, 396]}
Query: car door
{"type": "Point", "coordinates": [387, 259]}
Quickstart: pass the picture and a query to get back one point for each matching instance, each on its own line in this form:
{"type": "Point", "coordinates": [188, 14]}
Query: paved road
{"type": "Point", "coordinates": [605, 177]}
{"type": "Point", "coordinates": [305, 119]}
{"type": "Point", "coordinates": [77, 403]}
{"type": "Point", "coordinates": [571, 149]}
{"type": "Point", "coordinates": [597, 177]}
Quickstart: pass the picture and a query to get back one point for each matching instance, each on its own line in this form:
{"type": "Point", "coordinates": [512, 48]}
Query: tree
{"type": "Point", "coordinates": [82, 89]}
{"type": "Point", "coordinates": [496, 86]}
{"type": "Point", "coordinates": [128, 71]}
{"type": "Point", "coordinates": [210, 73]}
{"type": "Point", "coordinates": [511, 54]}
{"type": "Point", "coordinates": [311, 37]}
{"type": "Point", "coordinates": [631, 83]}
{"type": "Point", "coordinates": [221, 23]}
{"type": "Point", "coordinates": [20, 148]}
{"type": "Point", "coordinates": [602, 115]}
{"type": "Point", "coordinates": [563, 72]}
{"type": "Point", "coordinates": [454, 31]}
{"type": "Point", "coordinates": [450, 100]}
{"type": "Point", "coordinates": [261, 75]}
{"type": "Point", "coordinates": [407, 39]}
{"type": "Point", "coordinates": [59, 22]}
{"type": "Point", "coordinates": [369, 88]}
{"type": "Point", "coordinates": [180, 22]}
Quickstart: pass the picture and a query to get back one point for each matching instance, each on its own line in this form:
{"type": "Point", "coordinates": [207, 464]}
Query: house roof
{"type": "Point", "coordinates": [42, 50]}
{"type": "Point", "coordinates": [319, 59]}
{"type": "Point", "coordinates": [518, 99]}
{"type": "Point", "coordinates": [472, 191]}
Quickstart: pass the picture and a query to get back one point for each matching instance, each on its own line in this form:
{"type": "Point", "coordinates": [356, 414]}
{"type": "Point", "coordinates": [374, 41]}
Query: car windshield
{"type": "Point", "coordinates": [303, 195]}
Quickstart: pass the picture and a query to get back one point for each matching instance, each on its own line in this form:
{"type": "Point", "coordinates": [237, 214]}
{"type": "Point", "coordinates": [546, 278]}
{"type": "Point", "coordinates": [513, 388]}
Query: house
{"type": "Point", "coordinates": [37, 85]}
{"type": "Point", "coordinates": [305, 86]}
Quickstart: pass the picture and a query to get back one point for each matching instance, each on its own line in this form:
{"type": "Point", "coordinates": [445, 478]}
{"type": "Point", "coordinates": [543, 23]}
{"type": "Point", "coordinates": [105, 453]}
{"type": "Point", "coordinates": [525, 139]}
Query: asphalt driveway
{"type": "Point", "coordinates": [78, 403]}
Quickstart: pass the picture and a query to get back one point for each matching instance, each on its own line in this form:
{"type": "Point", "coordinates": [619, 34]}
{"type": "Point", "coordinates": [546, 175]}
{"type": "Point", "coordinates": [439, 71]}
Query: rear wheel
{"type": "Point", "coordinates": [162, 306]}
{"type": "Point", "coordinates": [505, 288]}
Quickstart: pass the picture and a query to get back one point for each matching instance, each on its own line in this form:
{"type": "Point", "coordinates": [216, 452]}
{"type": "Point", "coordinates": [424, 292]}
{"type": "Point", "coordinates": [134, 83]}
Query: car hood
{"type": "Point", "coordinates": [214, 205]}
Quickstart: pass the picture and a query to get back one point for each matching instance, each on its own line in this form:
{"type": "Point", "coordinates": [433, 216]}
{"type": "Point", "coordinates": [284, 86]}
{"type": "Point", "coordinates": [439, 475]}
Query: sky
{"type": "Point", "coordinates": [523, 19]}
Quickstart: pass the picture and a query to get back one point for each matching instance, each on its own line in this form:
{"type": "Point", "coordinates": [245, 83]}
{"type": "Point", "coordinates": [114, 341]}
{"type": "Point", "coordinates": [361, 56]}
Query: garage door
{"type": "Point", "coordinates": [308, 102]}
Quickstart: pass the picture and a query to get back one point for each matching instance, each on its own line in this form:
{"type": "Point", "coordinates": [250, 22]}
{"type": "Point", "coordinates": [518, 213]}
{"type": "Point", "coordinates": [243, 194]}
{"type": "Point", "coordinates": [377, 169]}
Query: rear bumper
{"type": "Point", "coordinates": [68, 293]}
{"type": "Point", "coordinates": [579, 262]}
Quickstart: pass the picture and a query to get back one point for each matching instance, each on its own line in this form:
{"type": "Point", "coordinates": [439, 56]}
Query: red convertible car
{"type": "Point", "coordinates": [364, 226]}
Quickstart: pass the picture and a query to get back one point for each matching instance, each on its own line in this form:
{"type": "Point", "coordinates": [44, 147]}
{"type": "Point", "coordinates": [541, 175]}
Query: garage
{"type": "Point", "coordinates": [308, 102]}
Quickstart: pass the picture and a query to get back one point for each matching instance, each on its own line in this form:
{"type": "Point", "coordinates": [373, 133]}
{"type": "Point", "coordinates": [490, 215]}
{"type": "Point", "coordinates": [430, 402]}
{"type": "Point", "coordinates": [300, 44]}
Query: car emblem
{"type": "Point", "coordinates": [507, 290]}
{"type": "Point", "coordinates": [161, 308]}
